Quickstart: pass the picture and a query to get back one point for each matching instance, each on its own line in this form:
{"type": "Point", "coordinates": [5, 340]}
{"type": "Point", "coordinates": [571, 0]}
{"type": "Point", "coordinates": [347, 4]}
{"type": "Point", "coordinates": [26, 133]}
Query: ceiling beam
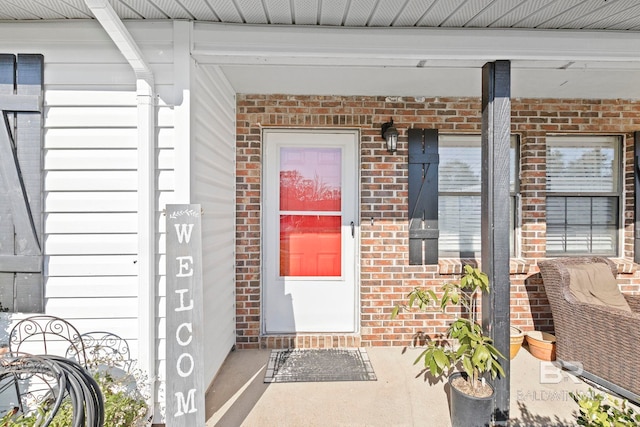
{"type": "Point", "coordinates": [414, 47]}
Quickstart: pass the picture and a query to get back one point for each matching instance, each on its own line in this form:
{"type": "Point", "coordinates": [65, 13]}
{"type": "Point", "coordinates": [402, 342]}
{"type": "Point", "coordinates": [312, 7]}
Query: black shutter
{"type": "Point", "coordinates": [21, 82]}
{"type": "Point", "coordinates": [423, 196]}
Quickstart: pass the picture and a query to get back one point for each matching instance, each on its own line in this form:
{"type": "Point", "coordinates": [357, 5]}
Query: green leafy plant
{"type": "Point", "coordinates": [598, 411]}
{"type": "Point", "coordinates": [465, 343]}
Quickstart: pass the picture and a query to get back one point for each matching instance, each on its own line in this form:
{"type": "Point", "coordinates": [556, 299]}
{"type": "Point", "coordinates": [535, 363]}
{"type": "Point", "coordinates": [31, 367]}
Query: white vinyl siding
{"type": "Point", "coordinates": [213, 186]}
{"type": "Point", "coordinates": [90, 168]}
{"type": "Point", "coordinates": [583, 195]}
{"type": "Point", "coordinates": [91, 180]}
{"type": "Point", "coordinates": [90, 164]}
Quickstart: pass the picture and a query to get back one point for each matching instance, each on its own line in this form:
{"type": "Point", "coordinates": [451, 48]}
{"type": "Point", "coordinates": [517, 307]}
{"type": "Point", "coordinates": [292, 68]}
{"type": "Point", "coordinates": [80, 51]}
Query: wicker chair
{"type": "Point", "coordinates": [599, 343]}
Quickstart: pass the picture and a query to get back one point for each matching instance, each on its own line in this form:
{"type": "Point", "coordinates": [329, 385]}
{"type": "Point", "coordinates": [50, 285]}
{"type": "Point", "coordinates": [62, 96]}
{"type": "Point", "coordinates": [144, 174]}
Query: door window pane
{"type": "Point", "coordinates": [310, 179]}
{"type": "Point", "coordinates": [310, 187]}
{"type": "Point", "coordinates": [310, 245]}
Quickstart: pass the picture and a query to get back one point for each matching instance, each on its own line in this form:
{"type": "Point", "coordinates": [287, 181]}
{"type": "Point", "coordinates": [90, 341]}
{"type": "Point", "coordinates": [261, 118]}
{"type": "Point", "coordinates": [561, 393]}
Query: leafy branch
{"type": "Point", "coordinates": [473, 350]}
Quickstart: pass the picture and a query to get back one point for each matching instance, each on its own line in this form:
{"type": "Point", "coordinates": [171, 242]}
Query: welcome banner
{"type": "Point", "coordinates": [185, 380]}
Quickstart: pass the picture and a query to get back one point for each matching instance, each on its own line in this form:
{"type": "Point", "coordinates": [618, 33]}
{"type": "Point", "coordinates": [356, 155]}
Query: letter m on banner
{"type": "Point", "coordinates": [185, 363]}
{"type": "Point", "coordinates": [21, 263]}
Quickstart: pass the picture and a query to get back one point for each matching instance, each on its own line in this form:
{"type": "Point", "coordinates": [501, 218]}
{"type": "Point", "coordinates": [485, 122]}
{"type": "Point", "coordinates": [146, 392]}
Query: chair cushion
{"type": "Point", "coordinates": [595, 284]}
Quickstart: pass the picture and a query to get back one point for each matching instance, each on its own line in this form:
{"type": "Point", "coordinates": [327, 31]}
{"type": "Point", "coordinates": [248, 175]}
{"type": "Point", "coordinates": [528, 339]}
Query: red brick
{"type": "Point", "coordinates": [385, 276]}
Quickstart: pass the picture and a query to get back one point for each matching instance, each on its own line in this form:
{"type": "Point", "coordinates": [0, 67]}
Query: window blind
{"type": "Point", "coordinates": [459, 201]}
{"type": "Point", "coordinates": [579, 164]}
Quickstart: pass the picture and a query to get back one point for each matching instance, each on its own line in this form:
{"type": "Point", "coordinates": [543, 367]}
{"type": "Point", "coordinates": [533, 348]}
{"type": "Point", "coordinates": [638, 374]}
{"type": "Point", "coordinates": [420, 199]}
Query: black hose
{"type": "Point", "coordinates": [72, 380]}
{"type": "Point", "coordinates": [85, 391]}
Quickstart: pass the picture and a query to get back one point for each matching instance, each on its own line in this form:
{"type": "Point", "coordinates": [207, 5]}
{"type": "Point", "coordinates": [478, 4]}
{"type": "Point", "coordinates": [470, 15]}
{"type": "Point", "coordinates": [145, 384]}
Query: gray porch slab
{"type": "Point", "coordinates": [400, 397]}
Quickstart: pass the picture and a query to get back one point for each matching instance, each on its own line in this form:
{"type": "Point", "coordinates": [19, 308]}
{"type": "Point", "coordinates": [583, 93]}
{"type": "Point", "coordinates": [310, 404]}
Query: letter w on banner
{"type": "Point", "coordinates": [185, 366]}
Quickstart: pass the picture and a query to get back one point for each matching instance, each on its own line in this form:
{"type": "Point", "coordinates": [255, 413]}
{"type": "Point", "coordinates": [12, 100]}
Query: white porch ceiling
{"type": "Point", "coordinates": [549, 14]}
{"type": "Point", "coordinates": [288, 66]}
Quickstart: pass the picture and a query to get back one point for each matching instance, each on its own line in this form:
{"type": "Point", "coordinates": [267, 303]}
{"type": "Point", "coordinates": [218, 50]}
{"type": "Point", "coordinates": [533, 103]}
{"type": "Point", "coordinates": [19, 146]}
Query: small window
{"type": "Point", "coordinates": [459, 181]}
{"type": "Point", "coordinates": [583, 195]}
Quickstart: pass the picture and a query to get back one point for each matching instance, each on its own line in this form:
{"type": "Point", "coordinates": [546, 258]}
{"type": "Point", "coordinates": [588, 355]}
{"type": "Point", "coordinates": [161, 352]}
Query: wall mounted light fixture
{"type": "Point", "coordinates": [390, 134]}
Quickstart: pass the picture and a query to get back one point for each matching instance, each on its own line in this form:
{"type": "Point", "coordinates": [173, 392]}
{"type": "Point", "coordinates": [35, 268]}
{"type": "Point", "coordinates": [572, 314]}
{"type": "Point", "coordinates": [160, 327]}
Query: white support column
{"type": "Point", "coordinates": [146, 233]}
{"type": "Point", "coordinates": [182, 64]}
{"type": "Point", "coordinates": [146, 107]}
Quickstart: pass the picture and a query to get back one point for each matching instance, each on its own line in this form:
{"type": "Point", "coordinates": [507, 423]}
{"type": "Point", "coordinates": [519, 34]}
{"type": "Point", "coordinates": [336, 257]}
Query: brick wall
{"type": "Point", "coordinates": [385, 276]}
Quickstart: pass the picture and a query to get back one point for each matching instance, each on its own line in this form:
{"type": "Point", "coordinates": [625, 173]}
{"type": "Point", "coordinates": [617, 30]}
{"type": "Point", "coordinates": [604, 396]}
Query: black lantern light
{"type": "Point", "coordinates": [390, 134]}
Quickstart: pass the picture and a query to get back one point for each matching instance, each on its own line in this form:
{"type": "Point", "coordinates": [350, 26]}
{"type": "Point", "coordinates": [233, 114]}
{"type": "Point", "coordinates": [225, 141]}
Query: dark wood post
{"type": "Point", "coordinates": [496, 134]}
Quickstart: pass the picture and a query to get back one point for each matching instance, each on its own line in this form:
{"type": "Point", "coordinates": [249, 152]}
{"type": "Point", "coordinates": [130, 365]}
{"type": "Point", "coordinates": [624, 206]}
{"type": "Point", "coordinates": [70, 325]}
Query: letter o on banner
{"type": "Point", "coordinates": [182, 373]}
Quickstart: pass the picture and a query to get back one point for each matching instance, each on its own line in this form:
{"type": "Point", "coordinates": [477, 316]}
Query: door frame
{"type": "Point", "coordinates": [356, 209]}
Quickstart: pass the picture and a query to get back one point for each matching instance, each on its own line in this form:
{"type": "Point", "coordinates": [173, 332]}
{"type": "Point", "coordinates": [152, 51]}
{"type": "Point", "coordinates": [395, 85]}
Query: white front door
{"type": "Point", "coordinates": [310, 225]}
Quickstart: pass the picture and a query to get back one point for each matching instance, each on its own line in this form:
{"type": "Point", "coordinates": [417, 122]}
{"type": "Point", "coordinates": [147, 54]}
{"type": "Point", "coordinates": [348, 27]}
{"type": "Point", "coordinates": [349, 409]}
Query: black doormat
{"type": "Point", "coordinates": [316, 365]}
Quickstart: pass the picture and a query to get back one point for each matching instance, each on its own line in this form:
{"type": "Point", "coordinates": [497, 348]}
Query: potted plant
{"type": "Point", "coordinates": [465, 347]}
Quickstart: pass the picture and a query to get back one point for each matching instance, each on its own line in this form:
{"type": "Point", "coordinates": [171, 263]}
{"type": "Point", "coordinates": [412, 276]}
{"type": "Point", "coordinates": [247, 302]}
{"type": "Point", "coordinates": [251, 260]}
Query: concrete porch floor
{"type": "Point", "coordinates": [401, 396]}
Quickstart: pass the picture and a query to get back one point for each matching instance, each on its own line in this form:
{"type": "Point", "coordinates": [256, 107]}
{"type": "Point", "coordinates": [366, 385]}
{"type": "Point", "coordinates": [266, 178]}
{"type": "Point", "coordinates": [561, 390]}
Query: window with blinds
{"type": "Point", "coordinates": [459, 202]}
{"type": "Point", "coordinates": [583, 195]}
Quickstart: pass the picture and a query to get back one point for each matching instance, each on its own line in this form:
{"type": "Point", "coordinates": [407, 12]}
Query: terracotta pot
{"type": "Point", "coordinates": [517, 337]}
{"type": "Point", "coordinates": [542, 345]}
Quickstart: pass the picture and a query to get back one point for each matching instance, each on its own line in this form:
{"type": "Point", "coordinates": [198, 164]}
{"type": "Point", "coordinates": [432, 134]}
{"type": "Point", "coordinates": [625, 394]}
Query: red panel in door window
{"type": "Point", "coordinates": [310, 179]}
{"type": "Point", "coordinates": [310, 245]}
